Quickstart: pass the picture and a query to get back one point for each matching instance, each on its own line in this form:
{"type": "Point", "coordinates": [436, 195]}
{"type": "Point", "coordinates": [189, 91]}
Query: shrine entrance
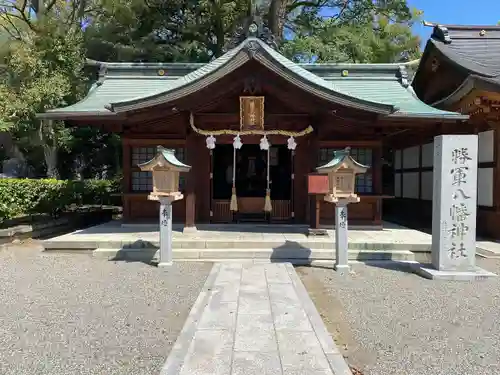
{"type": "Point", "coordinates": [251, 177]}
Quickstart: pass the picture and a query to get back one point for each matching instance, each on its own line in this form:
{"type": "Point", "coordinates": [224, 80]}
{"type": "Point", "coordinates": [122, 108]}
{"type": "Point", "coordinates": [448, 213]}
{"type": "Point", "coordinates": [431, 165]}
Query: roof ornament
{"type": "Point", "coordinates": [482, 33]}
{"type": "Point", "coordinates": [441, 33]}
{"type": "Point", "coordinates": [403, 76]}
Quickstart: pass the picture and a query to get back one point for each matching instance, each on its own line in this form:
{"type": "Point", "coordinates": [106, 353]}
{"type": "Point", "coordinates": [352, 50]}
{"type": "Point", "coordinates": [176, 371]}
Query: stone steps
{"type": "Point", "coordinates": [292, 255]}
{"type": "Point", "coordinates": [229, 244]}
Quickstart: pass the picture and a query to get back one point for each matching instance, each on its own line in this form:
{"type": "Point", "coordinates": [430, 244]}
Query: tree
{"type": "Point", "coordinates": [43, 69]}
{"type": "Point", "coordinates": [378, 39]}
{"type": "Point", "coordinates": [187, 30]}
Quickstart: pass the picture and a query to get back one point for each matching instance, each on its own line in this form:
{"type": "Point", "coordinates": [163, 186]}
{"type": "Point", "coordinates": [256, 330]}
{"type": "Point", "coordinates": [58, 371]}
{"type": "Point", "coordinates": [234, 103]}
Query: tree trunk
{"type": "Point", "coordinates": [47, 138]}
{"type": "Point", "coordinates": [276, 17]}
{"type": "Point", "coordinates": [50, 154]}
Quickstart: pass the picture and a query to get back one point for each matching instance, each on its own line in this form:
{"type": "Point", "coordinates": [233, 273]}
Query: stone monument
{"type": "Point", "coordinates": [165, 168]}
{"type": "Point", "coordinates": [454, 206]}
{"type": "Point", "coordinates": [341, 171]}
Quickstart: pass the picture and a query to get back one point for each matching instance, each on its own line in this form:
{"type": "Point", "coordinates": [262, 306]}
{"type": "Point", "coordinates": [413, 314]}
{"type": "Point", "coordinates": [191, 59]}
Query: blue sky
{"type": "Point", "coordinates": [461, 12]}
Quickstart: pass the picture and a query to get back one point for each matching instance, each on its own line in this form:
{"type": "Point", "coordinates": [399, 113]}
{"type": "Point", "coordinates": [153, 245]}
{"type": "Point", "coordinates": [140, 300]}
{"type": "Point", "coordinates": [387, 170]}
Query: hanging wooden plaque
{"type": "Point", "coordinates": [251, 113]}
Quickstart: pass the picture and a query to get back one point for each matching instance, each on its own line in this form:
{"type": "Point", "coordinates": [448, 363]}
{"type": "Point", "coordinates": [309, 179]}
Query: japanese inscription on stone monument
{"type": "Point", "coordinates": [459, 211]}
{"type": "Point", "coordinates": [454, 202]}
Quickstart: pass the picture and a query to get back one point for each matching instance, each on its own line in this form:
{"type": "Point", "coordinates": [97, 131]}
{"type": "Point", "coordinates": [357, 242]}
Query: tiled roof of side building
{"type": "Point", "coordinates": [473, 49]}
{"type": "Point", "coordinates": [378, 87]}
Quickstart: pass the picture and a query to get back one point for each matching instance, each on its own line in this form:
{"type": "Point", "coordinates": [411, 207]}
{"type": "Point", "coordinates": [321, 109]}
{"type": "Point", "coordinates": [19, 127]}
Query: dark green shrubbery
{"type": "Point", "coordinates": [20, 197]}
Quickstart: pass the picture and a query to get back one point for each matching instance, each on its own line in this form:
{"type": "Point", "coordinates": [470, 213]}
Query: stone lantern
{"type": "Point", "coordinates": [165, 168]}
{"type": "Point", "coordinates": [341, 171]}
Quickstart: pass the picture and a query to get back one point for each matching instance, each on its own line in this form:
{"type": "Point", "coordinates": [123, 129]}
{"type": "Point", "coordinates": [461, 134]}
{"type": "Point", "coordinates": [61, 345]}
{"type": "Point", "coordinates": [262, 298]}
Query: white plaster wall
{"type": "Point", "coordinates": [485, 146]}
{"type": "Point", "coordinates": [427, 154]}
{"type": "Point", "coordinates": [397, 185]}
{"type": "Point", "coordinates": [397, 159]}
{"type": "Point", "coordinates": [410, 157]}
{"type": "Point", "coordinates": [427, 184]}
{"type": "Point", "coordinates": [410, 185]}
{"type": "Point", "coordinates": [485, 187]}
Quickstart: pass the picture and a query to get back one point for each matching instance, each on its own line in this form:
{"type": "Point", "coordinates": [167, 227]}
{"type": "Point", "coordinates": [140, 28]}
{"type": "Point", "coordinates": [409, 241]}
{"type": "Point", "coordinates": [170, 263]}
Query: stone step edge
{"type": "Point", "coordinates": [485, 253]}
{"type": "Point", "coordinates": [219, 254]}
{"type": "Point", "coordinates": [243, 244]}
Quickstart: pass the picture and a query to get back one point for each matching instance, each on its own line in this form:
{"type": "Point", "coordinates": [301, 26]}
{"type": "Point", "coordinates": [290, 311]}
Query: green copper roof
{"type": "Point", "coordinates": [340, 156]}
{"type": "Point", "coordinates": [169, 156]}
{"type": "Point", "coordinates": [378, 88]}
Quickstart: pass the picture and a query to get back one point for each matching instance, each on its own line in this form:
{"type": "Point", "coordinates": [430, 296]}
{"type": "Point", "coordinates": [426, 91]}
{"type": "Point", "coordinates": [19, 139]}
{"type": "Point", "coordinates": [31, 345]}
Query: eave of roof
{"type": "Point", "coordinates": [472, 82]}
{"type": "Point", "coordinates": [379, 88]}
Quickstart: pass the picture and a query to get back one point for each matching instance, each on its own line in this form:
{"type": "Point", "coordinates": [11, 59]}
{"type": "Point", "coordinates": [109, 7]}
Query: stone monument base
{"type": "Point", "coordinates": [342, 269]}
{"type": "Point", "coordinates": [429, 272]}
{"type": "Point", "coordinates": [165, 264]}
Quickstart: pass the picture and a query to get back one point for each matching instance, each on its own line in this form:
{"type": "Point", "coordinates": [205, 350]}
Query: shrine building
{"type": "Point", "coordinates": [460, 72]}
{"type": "Point", "coordinates": [274, 120]}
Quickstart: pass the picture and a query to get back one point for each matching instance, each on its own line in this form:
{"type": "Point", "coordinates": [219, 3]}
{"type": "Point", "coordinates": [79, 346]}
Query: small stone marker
{"type": "Point", "coordinates": [342, 171]}
{"type": "Point", "coordinates": [165, 168]}
{"type": "Point", "coordinates": [166, 256]}
{"type": "Point", "coordinates": [341, 243]}
{"type": "Point", "coordinates": [454, 207]}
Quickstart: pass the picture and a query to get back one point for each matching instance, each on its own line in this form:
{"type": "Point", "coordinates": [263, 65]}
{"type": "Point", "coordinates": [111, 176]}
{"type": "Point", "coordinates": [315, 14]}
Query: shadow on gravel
{"type": "Point", "coordinates": [392, 265]}
{"type": "Point", "coordinates": [139, 251]}
{"type": "Point", "coordinates": [388, 265]}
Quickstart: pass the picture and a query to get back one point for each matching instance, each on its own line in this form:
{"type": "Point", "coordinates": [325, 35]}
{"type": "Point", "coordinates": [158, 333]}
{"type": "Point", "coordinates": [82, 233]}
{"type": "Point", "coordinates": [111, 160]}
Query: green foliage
{"type": "Point", "coordinates": [377, 39]}
{"type": "Point", "coordinates": [43, 64]}
{"type": "Point", "coordinates": [49, 196]}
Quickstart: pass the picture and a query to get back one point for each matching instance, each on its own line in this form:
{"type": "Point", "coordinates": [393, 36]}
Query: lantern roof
{"type": "Point", "coordinates": [342, 159]}
{"type": "Point", "coordinates": [165, 159]}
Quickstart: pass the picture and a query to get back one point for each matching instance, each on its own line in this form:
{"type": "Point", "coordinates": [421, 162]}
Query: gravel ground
{"type": "Point", "coordinates": [392, 322]}
{"type": "Point", "coordinates": [72, 314]}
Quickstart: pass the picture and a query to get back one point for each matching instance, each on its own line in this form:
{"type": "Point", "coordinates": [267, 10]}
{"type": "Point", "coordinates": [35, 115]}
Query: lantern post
{"type": "Point", "coordinates": [166, 169]}
{"type": "Point", "coordinates": [341, 172]}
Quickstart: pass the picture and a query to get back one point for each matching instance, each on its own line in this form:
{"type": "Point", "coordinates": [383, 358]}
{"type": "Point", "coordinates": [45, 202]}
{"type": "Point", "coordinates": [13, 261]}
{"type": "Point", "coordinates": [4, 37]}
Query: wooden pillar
{"type": "Point", "coordinates": [496, 170]}
{"type": "Point", "coordinates": [313, 208]}
{"type": "Point", "coordinates": [377, 182]}
{"type": "Point", "coordinates": [191, 179]}
{"type": "Point", "coordinates": [301, 168]}
{"type": "Point", "coordinates": [127, 178]}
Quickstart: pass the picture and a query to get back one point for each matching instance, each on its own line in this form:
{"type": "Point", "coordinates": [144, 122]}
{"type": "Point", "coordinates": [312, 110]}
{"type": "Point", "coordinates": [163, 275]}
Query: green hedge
{"type": "Point", "coordinates": [20, 197]}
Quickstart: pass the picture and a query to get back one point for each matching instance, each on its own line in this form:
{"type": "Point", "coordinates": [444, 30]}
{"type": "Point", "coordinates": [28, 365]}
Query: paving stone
{"type": "Point", "coordinates": [256, 363]}
{"type": "Point", "coordinates": [253, 276]}
{"type": "Point", "coordinates": [304, 363]}
{"type": "Point", "coordinates": [254, 302]}
{"type": "Point", "coordinates": [229, 273]}
{"type": "Point", "coordinates": [227, 292]}
{"type": "Point", "coordinates": [290, 317]}
{"type": "Point", "coordinates": [209, 354]}
{"type": "Point", "coordinates": [298, 342]}
{"type": "Point", "coordinates": [255, 333]}
{"type": "Point", "coordinates": [277, 274]}
{"type": "Point", "coordinates": [218, 316]}
{"type": "Point", "coordinates": [284, 293]}
{"type": "Point", "coordinates": [250, 325]}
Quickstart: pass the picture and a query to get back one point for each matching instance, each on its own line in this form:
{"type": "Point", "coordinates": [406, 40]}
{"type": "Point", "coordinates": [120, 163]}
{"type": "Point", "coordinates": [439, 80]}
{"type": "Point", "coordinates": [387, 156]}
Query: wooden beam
{"type": "Point", "coordinates": [154, 142]}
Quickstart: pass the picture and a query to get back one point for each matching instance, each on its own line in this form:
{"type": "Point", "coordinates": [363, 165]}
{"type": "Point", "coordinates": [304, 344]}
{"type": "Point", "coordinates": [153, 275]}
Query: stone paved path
{"type": "Point", "coordinates": [254, 319]}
